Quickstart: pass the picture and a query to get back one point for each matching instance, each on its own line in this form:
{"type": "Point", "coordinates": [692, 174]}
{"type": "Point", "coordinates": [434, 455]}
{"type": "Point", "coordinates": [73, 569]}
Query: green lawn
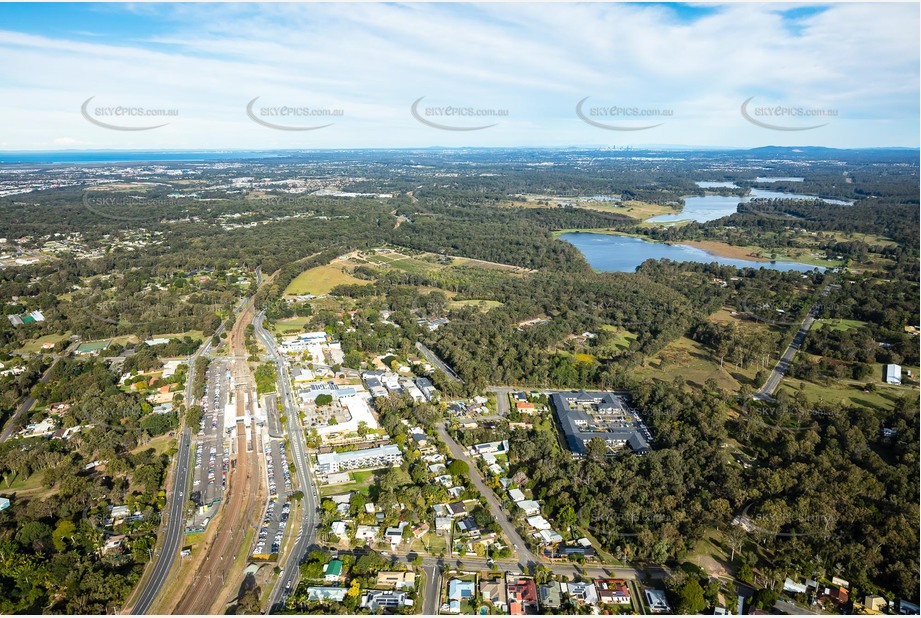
{"type": "Point", "coordinates": [837, 324]}
{"type": "Point", "coordinates": [361, 482]}
{"type": "Point", "coordinates": [194, 334]}
{"type": "Point", "coordinates": [36, 344]}
{"type": "Point", "coordinates": [320, 280]}
{"type": "Point", "coordinates": [622, 336]}
{"type": "Point", "coordinates": [291, 325]}
{"type": "Point", "coordinates": [431, 543]}
{"type": "Point", "coordinates": [840, 392]}
{"type": "Point", "coordinates": [93, 346]}
{"type": "Point", "coordinates": [28, 485]}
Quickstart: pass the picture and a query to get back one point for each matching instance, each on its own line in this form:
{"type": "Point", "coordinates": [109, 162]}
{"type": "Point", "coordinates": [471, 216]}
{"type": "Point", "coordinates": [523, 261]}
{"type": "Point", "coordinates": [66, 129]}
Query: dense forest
{"type": "Point", "coordinates": [52, 534]}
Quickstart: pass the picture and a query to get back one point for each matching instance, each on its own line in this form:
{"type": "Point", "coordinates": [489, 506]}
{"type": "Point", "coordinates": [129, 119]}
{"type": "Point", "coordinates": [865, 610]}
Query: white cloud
{"type": "Point", "coordinates": [374, 60]}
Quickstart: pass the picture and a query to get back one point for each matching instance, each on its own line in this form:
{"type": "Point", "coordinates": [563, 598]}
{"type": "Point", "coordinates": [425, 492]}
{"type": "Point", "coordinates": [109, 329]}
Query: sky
{"type": "Point", "coordinates": [291, 76]}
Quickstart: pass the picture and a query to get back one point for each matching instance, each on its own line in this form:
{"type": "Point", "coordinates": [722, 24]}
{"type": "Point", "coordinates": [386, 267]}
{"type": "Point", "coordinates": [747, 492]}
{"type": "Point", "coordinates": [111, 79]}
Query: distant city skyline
{"type": "Point", "coordinates": [253, 77]}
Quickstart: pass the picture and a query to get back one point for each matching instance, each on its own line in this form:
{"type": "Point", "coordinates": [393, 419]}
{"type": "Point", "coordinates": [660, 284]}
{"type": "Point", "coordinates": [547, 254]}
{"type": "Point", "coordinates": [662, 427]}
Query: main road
{"type": "Point", "coordinates": [287, 580]}
{"type": "Point", "coordinates": [783, 365]}
{"type": "Point", "coordinates": [174, 530]}
{"type": "Point", "coordinates": [151, 586]}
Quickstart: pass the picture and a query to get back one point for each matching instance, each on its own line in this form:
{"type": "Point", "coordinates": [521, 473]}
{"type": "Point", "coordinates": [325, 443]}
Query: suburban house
{"type": "Point", "coordinates": [493, 591]}
{"type": "Point", "coordinates": [425, 385]}
{"type": "Point", "coordinates": [583, 592]}
{"type": "Point", "coordinates": [657, 602]}
{"type": "Point", "coordinates": [490, 448]}
{"type": "Point", "coordinates": [365, 533]}
{"type": "Point", "coordinates": [326, 593]}
{"type": "Point", "coordinates": [332, 571]}
{"type": "Point", "coordinates": [613, 591]}
{"type": "Point", "coordinates": [522, 595]}
{"type": "Point", "coordinates": [338, 528]}
{"type": "Point", "coordinates": [4, 503]}
{"type": "Point", "coordinates": [530, 507]}
{"type": "Point", "coordinates": [456, 509]}
{"type": "Point", "coordinates": [550, 595]}
{"type": "Point", "coordinates": [516, 495]}
{"type": "Point", "coordinates": [384, 599]}
{"type": "Point", "coordinates": [394, 535]}
{"type": "Point", "coordinates": [525, 407]}
{"type": "Point", "coordinates": [459, 590]}
{"type": "Point", "coordinates": [538, 522]}
{"type": "Point", "coordinates": [875, 603]}
{"type": "Point", "coordinates": [549, 537]}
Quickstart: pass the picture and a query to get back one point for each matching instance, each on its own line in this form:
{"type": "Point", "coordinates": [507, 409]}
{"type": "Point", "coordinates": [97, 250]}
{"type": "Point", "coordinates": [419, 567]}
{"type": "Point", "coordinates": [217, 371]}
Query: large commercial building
{"type": "Point", "coordinates": [329, 463]}
{"type": "Point", "coordinates": [585, 415]}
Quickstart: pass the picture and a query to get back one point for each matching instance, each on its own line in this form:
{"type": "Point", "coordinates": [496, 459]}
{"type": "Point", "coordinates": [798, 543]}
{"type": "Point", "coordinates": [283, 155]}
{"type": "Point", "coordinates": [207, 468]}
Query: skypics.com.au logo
{"type": "Point", "coordinates": [287, 117]}
{"type": "Point", "coordinates": [592, 115]}
{"type": "Point", "coordinates": [447, 115]}
{"type": "Point", "coordinates": [783, 117]}
{"type": "Point", "coordinates": [125, 117]}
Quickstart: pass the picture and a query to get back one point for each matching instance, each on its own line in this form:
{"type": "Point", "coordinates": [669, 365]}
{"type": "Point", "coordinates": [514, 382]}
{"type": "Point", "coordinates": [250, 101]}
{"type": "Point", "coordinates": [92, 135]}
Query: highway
{"type": "Point", "coordinates": [174, 530]}
{"type": "Point", "coordinates": [175, 524]}
{"type": "Point", "coordinates": [783, 365]}
{"type": "Point", "coordinates": [287, 580]}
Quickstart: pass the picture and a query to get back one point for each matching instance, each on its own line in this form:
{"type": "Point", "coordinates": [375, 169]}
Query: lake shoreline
{"type": "Point", "coordinates": [713, 247]}
{"type": "Point", "coordinates": [680, 251]}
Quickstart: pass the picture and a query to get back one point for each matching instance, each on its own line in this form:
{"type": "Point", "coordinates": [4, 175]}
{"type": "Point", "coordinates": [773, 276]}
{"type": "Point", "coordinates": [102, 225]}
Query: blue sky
{"type": "Point", "coordinates": [838, 75]}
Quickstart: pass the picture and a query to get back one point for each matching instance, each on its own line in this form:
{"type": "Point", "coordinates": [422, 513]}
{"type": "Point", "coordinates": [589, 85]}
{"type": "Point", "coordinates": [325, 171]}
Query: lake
{"type": "Point", "coordinates": [778, 179]}
{"type": "Point", "coordinates": [707, 184]}
{"type": "Point", "coordinates": [624, 253]}
{"type": "Point", "coordinates": [712, 207]}
{"type": "Point", "coordinates": [762, 193]}
{"type": "Point", "coordinates": [701, 209]}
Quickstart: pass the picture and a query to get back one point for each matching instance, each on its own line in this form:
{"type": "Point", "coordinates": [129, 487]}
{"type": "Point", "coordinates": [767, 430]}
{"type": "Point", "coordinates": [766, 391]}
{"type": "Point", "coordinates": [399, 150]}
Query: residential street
{"type": "Point", "coordinates": [780, 369]}
{"type": "Point", "coordinates": [457, 452]}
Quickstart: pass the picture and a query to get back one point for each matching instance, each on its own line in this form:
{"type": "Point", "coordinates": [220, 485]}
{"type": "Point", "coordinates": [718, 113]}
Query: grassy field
{"type": "Point", "coordinates": [361, 482]}
{"type": "Point", "coordinates": [320, 280]}
{"type": "Point", "coordinates": [634, 209]}
{"type": "Point", "coordinates": [194, 334]}
{"type": "Point", "coordinates": [291, 325]}
{"type": "Point", "coordinates": [431, 543]}
{"type": "Point", "coordinates": [29, 487]}
{"type": "Point", "coordinates": [622, 336]}
{"type": "Point", "coordinates": [837, 324]}
{"type": "Point", "coordinates": [158, 444]}
{"type": "Point", "coordinates": [694, 364]}
{"type": "Point", "coordinates": [36, 344]}
{"type": "Point", "coordinates": [482, 305]}
{"type": "Point", "coordinates": [846, 393]}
